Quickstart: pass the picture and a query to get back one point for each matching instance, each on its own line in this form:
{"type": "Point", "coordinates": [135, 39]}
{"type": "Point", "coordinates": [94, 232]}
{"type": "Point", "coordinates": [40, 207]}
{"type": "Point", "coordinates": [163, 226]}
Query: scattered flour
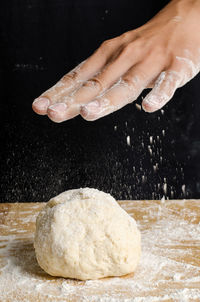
{"type": "Point", "coordinates": [168, 269]}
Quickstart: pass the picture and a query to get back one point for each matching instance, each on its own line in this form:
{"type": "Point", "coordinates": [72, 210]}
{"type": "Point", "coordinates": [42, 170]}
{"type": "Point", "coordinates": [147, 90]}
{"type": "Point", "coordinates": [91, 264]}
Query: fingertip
{"type": "Point", "coordinates": [40, 105]}
{"type": "Point", "coordinates": [152, 103]}
{"type": "Point", "coordinates": [55, 120]}
{"type": "Point", "coordinates": [86, 115]}
{"type": "Point", "coordinates": [57, 112]}
{"type": "Point", "coordinates": [149, 108]}
{"type": "Point", "coordinates": [90, 112]}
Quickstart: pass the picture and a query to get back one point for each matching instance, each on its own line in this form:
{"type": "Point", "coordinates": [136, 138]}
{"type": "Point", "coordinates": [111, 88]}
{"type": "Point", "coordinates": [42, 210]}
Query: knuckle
{"type": "Point", "coordinates": [131, 87]}
{"type": "Point", "coordinates": [128, 81]}
{"type": "Point", "coordinates": [128, 49]}
{"type": "Point", "coordinates": [131, 49]}
{"type": "Point", "coordinates": [107, 44]}
{"type": "Point", "coordinates": [71, 76]}
{"type": "Point", "coordinates": [133, 83]}
{"type": "Point", "coordinates": [142, 74]}
{"type": "Point", "coordinates": [94, 83]}
{"type": "Point", "coordinates": [157, 52]}
{"type": "Point", "coordinates": [127, 36]}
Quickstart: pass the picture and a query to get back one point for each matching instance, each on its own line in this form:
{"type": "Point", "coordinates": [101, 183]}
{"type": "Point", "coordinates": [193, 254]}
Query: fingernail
{"type": "Point", "coordinates": [151, 100]}
{"type": "Point", "coordinates": [41, 103]}
{"type": "Point", "coordinates": [93, 106]}
{"type": "Point", "coordinates": [90, 108]}
{"type": "Point", "coordinates": [150, 104]}
{"type": "Point", "coordinates": [58, 107]}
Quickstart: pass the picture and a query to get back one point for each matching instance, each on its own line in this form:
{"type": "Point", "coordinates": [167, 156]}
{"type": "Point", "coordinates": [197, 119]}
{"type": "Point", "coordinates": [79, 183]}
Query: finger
{"type": "Point", "coordinates": [64, 86]}
{"type": "Point", "coordinates": [129, 56]}
{"type": "Point", "coordinates": [76, 77]}
{"type": "Point", "coordinates": [186, 67]}
{"type": "Point", "coordinates": [181, 71]}
{"type": "Point", "coordinates": [94, 86]}
{"type": "Point", "coordinates": [60, 112]}
{"type": "Point", "coordinates": [163, 91]}
{"type": "Point", "coordinates": [151, 85]}
{"type": "Point", "coordinates": [125, 91]}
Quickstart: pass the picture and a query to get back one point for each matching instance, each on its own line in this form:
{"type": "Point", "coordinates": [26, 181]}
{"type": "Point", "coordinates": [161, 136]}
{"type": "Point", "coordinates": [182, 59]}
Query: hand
{"type": "Point", "coordinates": [163, 54]}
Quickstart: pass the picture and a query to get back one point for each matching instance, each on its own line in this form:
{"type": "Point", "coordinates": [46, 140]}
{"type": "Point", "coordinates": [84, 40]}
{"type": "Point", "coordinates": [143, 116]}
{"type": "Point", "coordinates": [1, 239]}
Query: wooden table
{"type": "Point", "coordinates": [169, 269]}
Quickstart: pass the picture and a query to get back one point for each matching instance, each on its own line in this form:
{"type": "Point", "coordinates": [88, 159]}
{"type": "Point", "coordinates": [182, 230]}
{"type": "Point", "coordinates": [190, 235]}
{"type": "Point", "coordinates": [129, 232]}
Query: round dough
{"type": "Point", "coordinates": [84, 234]}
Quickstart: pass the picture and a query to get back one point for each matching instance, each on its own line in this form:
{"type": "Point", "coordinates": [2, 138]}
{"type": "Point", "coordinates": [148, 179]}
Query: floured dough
{"type": "Point", "coordinates": [85, 234]}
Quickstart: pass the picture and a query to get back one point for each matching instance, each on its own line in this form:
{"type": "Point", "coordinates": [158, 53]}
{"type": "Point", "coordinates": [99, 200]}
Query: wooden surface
{"type": "Point", "coordinates": [169, 269]}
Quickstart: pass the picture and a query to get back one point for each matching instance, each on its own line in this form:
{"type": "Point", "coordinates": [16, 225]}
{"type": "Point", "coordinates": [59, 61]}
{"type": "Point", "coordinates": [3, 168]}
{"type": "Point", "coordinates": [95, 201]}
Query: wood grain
{"type": "Point", "coordinates": [169, 269]}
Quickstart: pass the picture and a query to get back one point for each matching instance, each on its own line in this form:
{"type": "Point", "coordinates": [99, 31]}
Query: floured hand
{"type": "Point", "coordinates": [163, 54]}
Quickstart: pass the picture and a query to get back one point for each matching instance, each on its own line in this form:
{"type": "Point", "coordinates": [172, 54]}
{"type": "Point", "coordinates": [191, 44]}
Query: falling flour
{"type": "Point", "coordinates": [152, 169]}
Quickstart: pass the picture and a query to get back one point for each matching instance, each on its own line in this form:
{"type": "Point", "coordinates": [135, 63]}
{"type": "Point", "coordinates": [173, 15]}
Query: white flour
{"type": "Point", "coordinates": [164, 274]}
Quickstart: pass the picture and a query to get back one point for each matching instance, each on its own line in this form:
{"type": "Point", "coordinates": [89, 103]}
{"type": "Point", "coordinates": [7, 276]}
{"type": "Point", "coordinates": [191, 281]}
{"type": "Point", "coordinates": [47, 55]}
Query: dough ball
{"type": "Point", "coordinates": [84, 234]}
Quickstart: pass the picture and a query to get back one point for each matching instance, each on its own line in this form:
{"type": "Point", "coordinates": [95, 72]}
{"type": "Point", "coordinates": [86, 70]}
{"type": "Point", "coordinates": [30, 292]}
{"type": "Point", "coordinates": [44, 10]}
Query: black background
{"type": "Point", "coordinates": [41, 41]}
